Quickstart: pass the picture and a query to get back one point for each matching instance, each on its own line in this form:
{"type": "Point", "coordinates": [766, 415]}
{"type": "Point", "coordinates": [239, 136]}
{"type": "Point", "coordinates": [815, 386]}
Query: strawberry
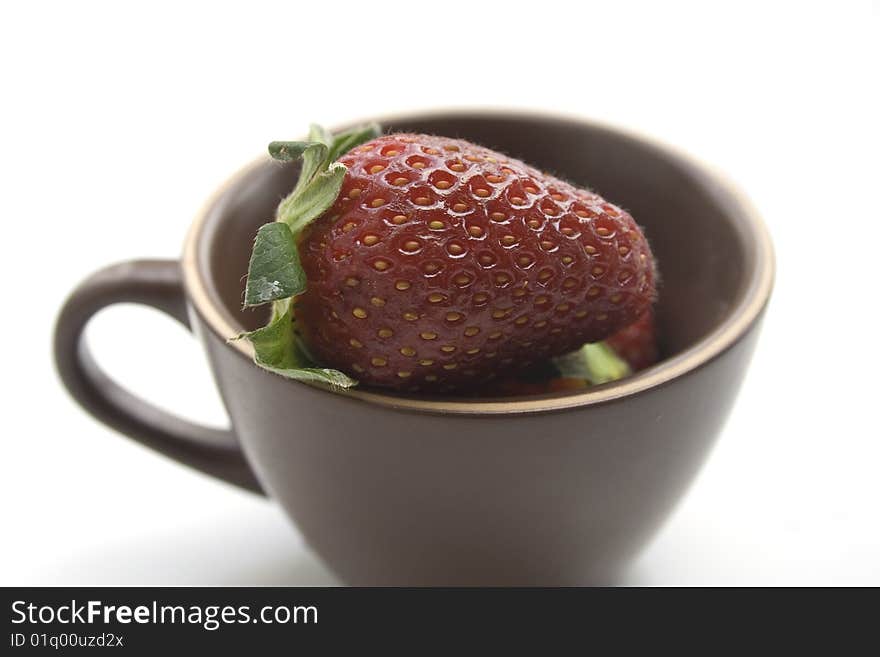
{"type": "Point", "coordinates": [636, 343]}
{"type": "Point", "coordinates": [441, 264]}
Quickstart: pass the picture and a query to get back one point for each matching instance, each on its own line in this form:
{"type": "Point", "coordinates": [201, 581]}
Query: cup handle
{"type": "Point", "coordinates": [158, 284]}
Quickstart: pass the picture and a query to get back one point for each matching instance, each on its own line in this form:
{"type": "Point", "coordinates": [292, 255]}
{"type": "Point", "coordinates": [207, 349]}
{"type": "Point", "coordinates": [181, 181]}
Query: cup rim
{"type": "Point", "coordinates": [205, 301]}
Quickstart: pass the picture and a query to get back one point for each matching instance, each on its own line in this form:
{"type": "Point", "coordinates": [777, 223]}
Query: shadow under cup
{"type": "Point", "coordinates": [552, 490]}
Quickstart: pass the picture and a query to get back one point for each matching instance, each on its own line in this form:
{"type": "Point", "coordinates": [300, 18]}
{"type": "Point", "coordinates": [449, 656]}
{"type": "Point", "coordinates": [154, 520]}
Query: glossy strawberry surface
{"type": "Point", "coordinates": [637, 343]}
{"type": "Point", "coordinates": [443, 264]}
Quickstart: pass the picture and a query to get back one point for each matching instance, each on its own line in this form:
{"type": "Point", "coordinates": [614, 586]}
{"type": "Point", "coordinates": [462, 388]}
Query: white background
{"type": "Point", "coordinates": [118, 122]}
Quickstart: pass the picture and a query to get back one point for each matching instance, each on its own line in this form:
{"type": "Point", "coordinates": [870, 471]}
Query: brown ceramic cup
{"type": "Point", "coordinates": [553, 490]}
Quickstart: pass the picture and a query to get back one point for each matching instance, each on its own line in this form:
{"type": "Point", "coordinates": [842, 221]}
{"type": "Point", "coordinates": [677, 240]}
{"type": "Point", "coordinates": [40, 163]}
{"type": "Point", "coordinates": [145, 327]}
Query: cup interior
{"type": "Point", "coordinates": [703, 239]}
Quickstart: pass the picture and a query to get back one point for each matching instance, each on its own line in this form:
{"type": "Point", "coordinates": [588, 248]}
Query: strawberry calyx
{"type": "Point", "coordinates": [596, 362]}
{"type": "Point", "coordinates": [275, 273]}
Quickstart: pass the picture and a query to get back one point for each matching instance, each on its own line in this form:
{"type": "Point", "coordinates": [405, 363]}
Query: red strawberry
{"type": "Point", "coordinates": [637, 343]}
{"type": "Point", "coordinates": [442, 264]}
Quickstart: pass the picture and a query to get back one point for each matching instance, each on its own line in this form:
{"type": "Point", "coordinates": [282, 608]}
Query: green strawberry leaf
{"type": "Point", "coordinates": [319, 134]}
{"type": "Point", "coordinates": [288, 151]}
{"type": "Point", "coordinates": [314, 159]}
{"type": "Point", "coordinates": [353, 138]}
{"type": "Point", "coordinates": [308, 203]}
{"type": "Point", "coordinates": [597, 363]}
{"type": "Point", "coordinates": [274, 271]}
{"type": "Point", "coordinates": [277, 349]}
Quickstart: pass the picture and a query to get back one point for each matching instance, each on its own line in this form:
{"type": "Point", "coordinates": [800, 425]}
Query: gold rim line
{"type": "Point", "coordinates": [740, 319]}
